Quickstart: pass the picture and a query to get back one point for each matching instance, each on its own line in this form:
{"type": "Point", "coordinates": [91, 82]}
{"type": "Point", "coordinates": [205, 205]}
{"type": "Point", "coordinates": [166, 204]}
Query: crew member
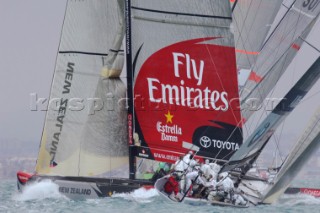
{"type": "Point", "coordinates": [187, 158]}
{"type": "Point", "coordinates": [171, 187]}
{"type": "Point", "coordinates": [161, 171]}
{"type": "Point", "coordinates": [225, 184]}
{"type": "Point", "coordinates": [238, 198]}
{"type": "Point", "coordinates": [214, 170]}
{"type": "Point", "coordinates": [205, 168]}
{"type": "Point", "coordinates": [195, 176]}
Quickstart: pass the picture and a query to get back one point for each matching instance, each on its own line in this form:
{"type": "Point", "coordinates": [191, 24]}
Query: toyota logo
{"type": "Point", "coordinates": [205, 141]}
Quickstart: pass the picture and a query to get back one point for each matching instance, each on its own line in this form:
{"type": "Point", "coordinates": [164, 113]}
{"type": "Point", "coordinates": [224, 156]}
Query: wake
{"type": "Point", "coordinates": [140, 195]}
{"type": "Point", "coordinates": [38, 191]}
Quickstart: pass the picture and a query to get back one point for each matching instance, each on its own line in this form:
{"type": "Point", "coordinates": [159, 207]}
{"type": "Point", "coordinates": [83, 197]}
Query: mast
{"type": "Point", "coordinates": [131, 143]}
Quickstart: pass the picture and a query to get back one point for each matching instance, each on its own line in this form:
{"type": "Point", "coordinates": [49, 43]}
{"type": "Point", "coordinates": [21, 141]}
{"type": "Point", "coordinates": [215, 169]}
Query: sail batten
{"type": "Point", "coordinates": [181, 14]}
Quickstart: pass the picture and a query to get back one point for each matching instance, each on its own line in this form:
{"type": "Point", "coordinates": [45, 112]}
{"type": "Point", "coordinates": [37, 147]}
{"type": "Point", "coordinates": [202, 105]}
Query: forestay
{"type": "Point", "coordinates": [85, 130]}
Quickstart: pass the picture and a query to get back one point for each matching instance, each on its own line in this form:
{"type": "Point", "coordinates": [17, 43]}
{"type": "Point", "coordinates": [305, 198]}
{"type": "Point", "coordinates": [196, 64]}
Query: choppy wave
{"type": "Point", "coordinates": [39, 190]}
{"type": "Point", "coordinates": [298, 199]}
{"type": "Point", "coordinates": [140, 195]}
{"type": "Point", "coordinates": [45, 197]}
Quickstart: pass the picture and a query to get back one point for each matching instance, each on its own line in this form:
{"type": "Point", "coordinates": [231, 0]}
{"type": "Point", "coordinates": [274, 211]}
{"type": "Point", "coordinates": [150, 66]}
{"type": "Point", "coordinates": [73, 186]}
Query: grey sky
{"type": "Point", "coordinates": [29, 39]}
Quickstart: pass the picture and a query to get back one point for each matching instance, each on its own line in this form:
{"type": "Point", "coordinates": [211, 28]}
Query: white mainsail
{"type": "Point", "coordinates": [86, 135]}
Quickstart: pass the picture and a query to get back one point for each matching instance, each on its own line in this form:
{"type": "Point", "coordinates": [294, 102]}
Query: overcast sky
{"type": "Point", "coordinates": [29, 36]}
{"type": "Point", "coordinates": [29, 39]}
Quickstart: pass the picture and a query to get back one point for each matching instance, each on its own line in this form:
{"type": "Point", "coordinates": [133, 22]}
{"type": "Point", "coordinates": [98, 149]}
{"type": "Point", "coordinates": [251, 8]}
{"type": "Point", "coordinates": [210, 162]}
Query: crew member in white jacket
{"type": "Point", "coordinates": [226, 185]}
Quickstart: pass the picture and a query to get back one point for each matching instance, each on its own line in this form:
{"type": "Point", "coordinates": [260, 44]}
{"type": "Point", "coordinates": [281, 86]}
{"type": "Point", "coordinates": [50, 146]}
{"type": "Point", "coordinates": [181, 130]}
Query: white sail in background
{"type": "Point", "coordinates": [252, 147]}
{"type": "Point", "coordinates": [252, 20]}
{"type": "Point", "coordinates": [308, 142]}
{"type": "Point", "coordinates": [86, 134]}
{"type": "Point", "coordinates": [277, 53]}
{"type": "Point", "coordinates": [298, 157]}
{"type": "Point", "coordinates": [284, 8]}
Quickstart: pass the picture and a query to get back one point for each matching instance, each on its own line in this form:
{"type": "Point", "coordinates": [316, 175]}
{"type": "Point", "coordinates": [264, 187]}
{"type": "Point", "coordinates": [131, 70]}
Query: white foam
{"type": "Point", "coordinates": [140, 195]}
{"type": "Point", "coordinates": [38, 191]}
{"type": "Point", "coordinates": [298, 199]}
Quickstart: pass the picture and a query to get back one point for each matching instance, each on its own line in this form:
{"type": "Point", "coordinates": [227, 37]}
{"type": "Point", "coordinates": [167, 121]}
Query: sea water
{"type": "Point", "coordinates": [45, 197]}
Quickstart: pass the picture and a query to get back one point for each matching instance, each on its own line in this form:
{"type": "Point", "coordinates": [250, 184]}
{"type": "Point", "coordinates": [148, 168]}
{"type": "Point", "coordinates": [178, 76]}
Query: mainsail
{"type": "Point", "coordinates": [185, 79]}
{"type": "Point", "coordinates": [85, 133]}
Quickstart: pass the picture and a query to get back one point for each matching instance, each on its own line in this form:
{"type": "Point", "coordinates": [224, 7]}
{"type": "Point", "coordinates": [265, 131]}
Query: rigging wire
{"type": "Point", "coordinates": [241, 37]}
{"type": "Point", "coordinates": [277, 140]}
{"type": "Point", "coordinates": [240, 31]}
{"type": "Point", "coordinates": [257, 88]}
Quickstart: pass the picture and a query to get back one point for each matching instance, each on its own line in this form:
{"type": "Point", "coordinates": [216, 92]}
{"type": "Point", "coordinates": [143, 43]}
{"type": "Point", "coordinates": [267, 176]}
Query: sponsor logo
{"type": "Point", "coordinates": [169, 132]}
{"type": "Point", "coordinates": [61, 112]}
{"type": "Point", "coordinates": [194, 97]}
{"type": "Point", "coordinates": [70, 190]}
{"type": "Point", "coordinates": [143, 154]}
{"type": "Point", "coordinates": [182, 87]}
{"type": "Point", "coordinates": [130, 129]}
{"type": "Point", "coordinates": [311, 4]}
{"type": "Point", "coordinates": [205, 141]}
{"type": "Point", "coordinates": [313, 192]}
{"type": "Point", "coordinates": [169, 157]}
